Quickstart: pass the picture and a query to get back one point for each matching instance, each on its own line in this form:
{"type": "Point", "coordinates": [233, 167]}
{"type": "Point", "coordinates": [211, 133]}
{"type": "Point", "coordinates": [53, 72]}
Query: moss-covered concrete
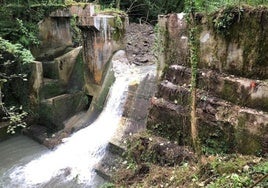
{"type": "Point", "coordinates": [169, 121]}
{"type": "Point", "coordinates": [55, 110]}
{"type": "Point", "coordinates": [219, 122]}
{"type": "Point", "coordinates": [51, 88]}
{"type": "Point", "coordinates": [224, 43]}
{"type": "Point", "coordinates": [241, 91]}
{"type": "Point", "coordinates": [238, 41]}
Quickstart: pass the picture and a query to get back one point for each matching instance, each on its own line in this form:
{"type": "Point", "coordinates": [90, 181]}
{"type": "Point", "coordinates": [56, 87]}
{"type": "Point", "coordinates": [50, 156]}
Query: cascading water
{"type": "Point", "coordinates": [71, 164]}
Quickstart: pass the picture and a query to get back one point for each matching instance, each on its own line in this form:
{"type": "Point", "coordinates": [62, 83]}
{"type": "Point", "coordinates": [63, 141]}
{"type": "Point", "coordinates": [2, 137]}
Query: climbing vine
{"type": "Point", "coordinates": [225, 19]}
{"type": "Point", "coordinates": [193, 43]}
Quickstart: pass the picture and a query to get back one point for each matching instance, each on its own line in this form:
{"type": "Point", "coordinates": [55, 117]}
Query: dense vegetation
{"type": "Point", "coordinates": [146, 166]}
{"type": "Point", "coordinates": [18, 33]}
{"type": "Point", "coordinates": [14, 59]}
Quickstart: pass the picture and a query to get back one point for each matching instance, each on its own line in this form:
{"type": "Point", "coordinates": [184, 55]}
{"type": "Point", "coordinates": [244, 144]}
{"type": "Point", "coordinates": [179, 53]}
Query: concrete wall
{"type": "Point", "coordinates": [232, 83]}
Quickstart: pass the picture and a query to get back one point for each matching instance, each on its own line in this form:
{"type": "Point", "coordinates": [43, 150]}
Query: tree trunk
{"type": "Point", "coordinates": [118, 4]}
{"type": "Point", "coordinates": [194, 62]}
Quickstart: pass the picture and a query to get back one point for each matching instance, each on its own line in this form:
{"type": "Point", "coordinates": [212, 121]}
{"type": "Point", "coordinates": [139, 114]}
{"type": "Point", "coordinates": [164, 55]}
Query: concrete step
{"type": "Point", "coordinates": [51, 88]}
{"type": "Point", "coordinates": [237, 128]}
{"type": "Point", "coordinates": [51, 53]}
{"type": "Point", "coordinates": [169, 91]}
{"type": "Point", "coordinates": [240, 91]}
{"type": "Point", "coordinates": [108, 165]}
{"type": "Point", "coordinates": [50, 70]}
{"type": "Point", "coordinates": [37, 132]}
{"type": "Point", "coordinates": [54, 111]}
{"type": "Point", "coordinates": [62, 66]}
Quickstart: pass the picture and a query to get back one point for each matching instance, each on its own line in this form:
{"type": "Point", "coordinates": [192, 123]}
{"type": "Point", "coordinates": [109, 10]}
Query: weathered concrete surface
{"type": "Point", "coordinates": [172, 40]}
{"type": "Point", "coordinates": [62, 75]}
{"type": "Point", "coordinates": [233, 53]}
{"type": "Point", "coordinates": [55, 31]}
{"type": "Point", "coordinates": [54, 111]}
{"type": "Point", "coordinates": [238, 90]}
{"type": "Point", "coordinates": [65, 65]}
{"type": "Point", "coordinates": [51, 139]}
{"type": "Point", "coordinates": [36, 82]}
{"type": "Point", "coordinates": [55, 36]}
{"type": "Point", "coordinates": [101, 38]}
{"type": "Point", "coordinates": [57, 93]}
{"type": "Point", "coordinates": [51, 88]}
{"type": "Point", "coordinates": [231, 110]}
{"type": "Point", "coordinates": [233, 127]}
{"type": "Point", "coordinates": [244, 129]}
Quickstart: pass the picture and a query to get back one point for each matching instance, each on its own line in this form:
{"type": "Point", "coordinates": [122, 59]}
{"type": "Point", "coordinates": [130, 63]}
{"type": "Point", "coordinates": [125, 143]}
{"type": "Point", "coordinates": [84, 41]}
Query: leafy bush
{"type": "Point", "coordinates": [13, 59]}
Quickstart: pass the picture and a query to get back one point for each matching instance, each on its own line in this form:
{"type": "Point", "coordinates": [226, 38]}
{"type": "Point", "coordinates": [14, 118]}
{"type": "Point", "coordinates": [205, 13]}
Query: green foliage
{"type": "Point", "coordinates": [26, 37]}
{"type": "Point", "coordinates": [159, 44]}
{"type": "Point", "coordinates": [118, 22]}
{"type": "Point", "coordinates": [19, 53]}
{"type": "Point", "coordinates": [146, 10]}
{"type": "Point", "coordinates": [76, 32]}
{"type": "Point", "coordinates": [211, 6]}
{"type": "Point", "coordinates": [231, 180]}
{"type": "Point", "coordinates": [238, 171]}
{"type": "Point", "coordinates": [225, 19]}
{"type": "Point", "coordinates": [19, 23]}
{"type": "Point", "coordinates": [193, 44]}
{"type": "Point", "coordinates": [262, 168]}
{"type": "Point", "coordinates": [13, 57]}
{"type": "Point", "coordinates": [108, 185]}
{"type": "Point", "coordinates": [15, 116]}
{"type": "Point", "coordinates": [213, 146]}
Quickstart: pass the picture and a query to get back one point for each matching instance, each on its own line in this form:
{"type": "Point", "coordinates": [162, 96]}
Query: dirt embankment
{"type": "Point", "coordinates": [140, 42]}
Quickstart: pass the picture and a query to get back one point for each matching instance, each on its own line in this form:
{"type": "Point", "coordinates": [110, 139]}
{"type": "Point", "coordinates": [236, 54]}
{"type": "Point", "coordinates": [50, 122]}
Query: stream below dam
{"type": "Point", "coordinates": [27, 164]}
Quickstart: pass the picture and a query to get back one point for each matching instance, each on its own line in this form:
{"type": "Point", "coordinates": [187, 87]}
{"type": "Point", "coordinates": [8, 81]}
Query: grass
{"type": "Point", "coordinates": [214, 171]}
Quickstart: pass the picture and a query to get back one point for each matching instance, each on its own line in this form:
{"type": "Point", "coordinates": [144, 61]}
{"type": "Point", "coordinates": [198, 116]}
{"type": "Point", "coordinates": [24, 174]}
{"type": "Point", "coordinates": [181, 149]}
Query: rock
{"type": "Point", "coordinates": [158, 150]}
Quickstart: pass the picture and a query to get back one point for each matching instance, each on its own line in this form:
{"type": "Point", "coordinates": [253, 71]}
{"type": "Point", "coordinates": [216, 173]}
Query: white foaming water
{"type": "Point", "coordinates": [74, 160]}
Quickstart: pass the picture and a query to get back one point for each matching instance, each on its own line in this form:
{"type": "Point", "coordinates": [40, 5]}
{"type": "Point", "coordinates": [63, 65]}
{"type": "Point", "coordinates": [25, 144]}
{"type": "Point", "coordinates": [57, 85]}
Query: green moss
{"type": "Point", "coordinates": [259, 104]}
{"type": "Point", "coordinates": [53, 113]}
{"type": "Point", "coordinates": [108, 80]}
{"type": "Point", "coordinates": [246, 27]}
{"type": "Point", "coordinates": [171, 126]}
{"type": "Point", "coordinates": [76, 81]}
{"type": "Point", "coordinates": [118, 24]}
{"type": "Point", "coordinates": [228, 91]}
{"type": "Point", "coordinates": [52, 89]}
{"type": "Point", "coordinates": [46, 115]}
{"type": "Point", "coordinates": [217, 138]}
{"type": "Point", "coordinates": [230, 166]}
{"type": "Point", "coordinates": [246, 143]}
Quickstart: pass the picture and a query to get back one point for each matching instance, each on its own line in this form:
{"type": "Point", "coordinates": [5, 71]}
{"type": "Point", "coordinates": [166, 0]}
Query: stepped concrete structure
{"type": "Point", "coordinates": [70, 82]}
{"type": "Point", "coordinates": [232, 95]}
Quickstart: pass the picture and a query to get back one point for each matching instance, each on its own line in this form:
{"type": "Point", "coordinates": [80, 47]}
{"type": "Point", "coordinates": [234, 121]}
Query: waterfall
{"type": "Point", "coordinates": [72, 162]}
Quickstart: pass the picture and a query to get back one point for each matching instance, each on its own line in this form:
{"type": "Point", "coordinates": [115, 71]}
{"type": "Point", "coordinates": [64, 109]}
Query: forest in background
{"type": "Point", "coordinates": [18, 33]}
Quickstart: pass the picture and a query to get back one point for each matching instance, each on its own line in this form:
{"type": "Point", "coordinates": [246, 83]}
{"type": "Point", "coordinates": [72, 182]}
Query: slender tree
{"type": "Point", "coordinates": [118, 4]}
{"type": "Point", "coordinates": [194, 62]}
